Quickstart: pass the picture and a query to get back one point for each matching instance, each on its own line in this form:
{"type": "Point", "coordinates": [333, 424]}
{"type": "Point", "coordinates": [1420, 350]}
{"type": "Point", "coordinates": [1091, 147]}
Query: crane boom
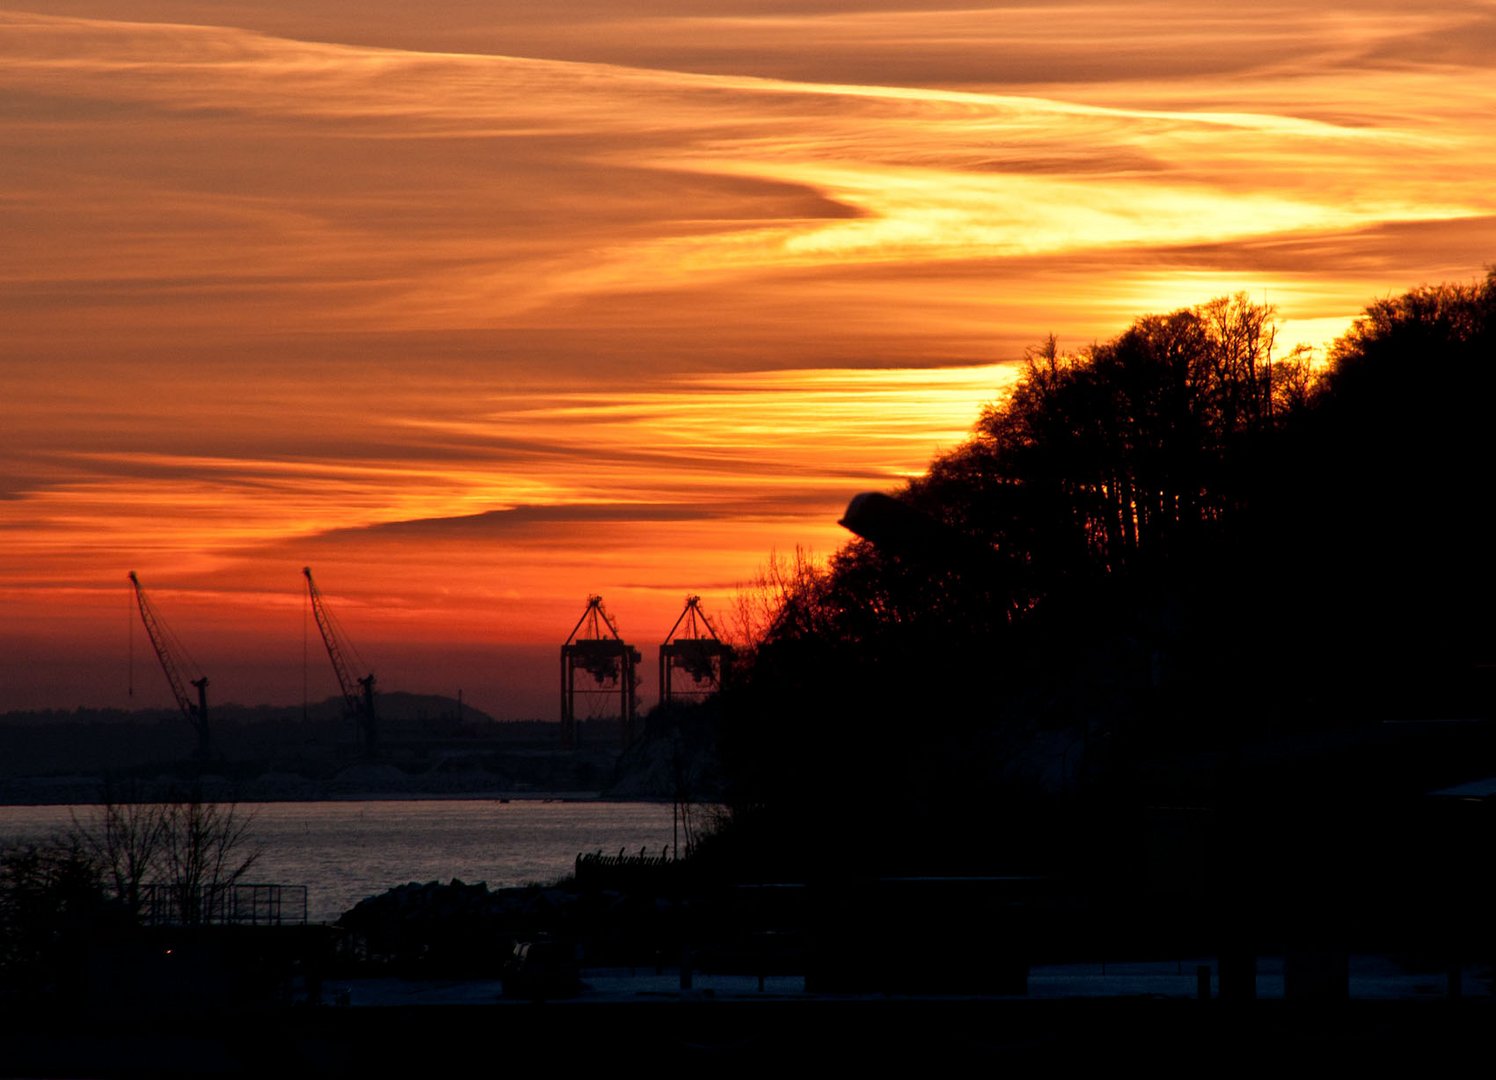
{"type": "Point", "coordinates": [196, 714]}
{"type": "Point", "coordinates": [358, 693]}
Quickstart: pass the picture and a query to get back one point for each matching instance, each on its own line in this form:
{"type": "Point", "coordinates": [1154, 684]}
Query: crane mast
{"type": "Point", "coordinates": [196, 714]}
{"type": "Point", "coordinates": [358, 693]}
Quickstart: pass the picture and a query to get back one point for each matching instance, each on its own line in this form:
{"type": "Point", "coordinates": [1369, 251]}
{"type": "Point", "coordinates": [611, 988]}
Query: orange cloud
{"type": "Point", "coordinates": [489, 311]}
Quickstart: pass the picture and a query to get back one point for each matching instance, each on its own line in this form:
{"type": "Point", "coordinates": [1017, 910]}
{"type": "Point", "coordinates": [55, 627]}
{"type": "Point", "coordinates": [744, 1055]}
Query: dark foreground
{"type": "Point", "coordinates": [1187, 1035]}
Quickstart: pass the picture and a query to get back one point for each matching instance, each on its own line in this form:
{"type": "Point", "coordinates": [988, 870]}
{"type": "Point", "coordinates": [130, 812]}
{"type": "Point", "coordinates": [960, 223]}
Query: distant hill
{"type": "Point", "coordinates": [429, 744]}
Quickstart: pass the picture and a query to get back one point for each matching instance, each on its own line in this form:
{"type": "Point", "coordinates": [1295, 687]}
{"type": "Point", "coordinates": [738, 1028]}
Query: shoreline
{"type": "Point", "coordinates": [376, 796]}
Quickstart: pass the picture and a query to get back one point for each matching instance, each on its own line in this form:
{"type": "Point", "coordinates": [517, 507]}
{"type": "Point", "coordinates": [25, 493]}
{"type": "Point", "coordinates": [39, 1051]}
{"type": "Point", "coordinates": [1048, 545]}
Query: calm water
{"type": "Point", "coordinates": [345, 851]}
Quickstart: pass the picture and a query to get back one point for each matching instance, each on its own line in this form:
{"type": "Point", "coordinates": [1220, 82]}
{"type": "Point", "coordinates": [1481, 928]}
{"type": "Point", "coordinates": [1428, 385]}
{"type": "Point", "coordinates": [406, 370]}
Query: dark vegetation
{"type": "Point", "coordinates": [1175, 578]}
{"type": "Point", "coordinates": [69, 903]}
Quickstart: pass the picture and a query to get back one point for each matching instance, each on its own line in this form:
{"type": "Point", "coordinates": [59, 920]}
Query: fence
{"type": "Point", "coordinates": [624, 869]}
{"type": "Point", "coordinates": [223, 905]}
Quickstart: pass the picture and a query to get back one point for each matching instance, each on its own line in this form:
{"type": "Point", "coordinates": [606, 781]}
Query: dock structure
{"type": "Point", "coordinates": [610, 667]}
{"type": "Point", "coordinates": [694, 660]}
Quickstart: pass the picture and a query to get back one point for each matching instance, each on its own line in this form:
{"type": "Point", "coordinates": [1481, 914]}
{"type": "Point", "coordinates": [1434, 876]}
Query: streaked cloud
{"type": "Point", "coordinates": [489, 308]}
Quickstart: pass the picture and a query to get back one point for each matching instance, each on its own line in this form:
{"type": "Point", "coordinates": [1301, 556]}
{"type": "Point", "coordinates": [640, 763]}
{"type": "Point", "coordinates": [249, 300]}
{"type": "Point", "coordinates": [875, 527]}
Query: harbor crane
{"type": "Point", "coordinates": [161, 638]}
{"type": "Point", "coordinates": [597, 648]}
{"type": "Point", "coordinates": [693, 647]}
{"type": "Point", "coordinates": [358, 693]}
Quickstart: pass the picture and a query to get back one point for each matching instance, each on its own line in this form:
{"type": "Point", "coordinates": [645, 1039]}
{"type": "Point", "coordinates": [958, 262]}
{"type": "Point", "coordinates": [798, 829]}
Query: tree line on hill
{"type": "Point", "coordinates": [1170, 542]}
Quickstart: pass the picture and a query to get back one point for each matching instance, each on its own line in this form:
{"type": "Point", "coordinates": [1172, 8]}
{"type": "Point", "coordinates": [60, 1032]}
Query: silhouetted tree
{"type": "Point", "coordinates": [205, 847]}
{"type": "Point", "coordinates": [192, 847]}
{"type": "Point", "coordinates": [51, 898]}
{"type": "Point", "coordinates": [124, 840]}
{"type": "Point", "coordinates": [1176, 536]}
{"type": "Point", "coordinates": [1396, 581]}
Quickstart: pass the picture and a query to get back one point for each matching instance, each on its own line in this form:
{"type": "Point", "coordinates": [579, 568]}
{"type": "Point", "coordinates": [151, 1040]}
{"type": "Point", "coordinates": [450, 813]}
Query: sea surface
{"type": "Point", "coordinates": [345, 851]}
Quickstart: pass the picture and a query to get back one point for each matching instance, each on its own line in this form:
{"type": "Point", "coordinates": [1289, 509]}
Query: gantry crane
{"type": "Point", "coordinates": [597, 648]}
{"type": "Point", "coordinates": [358, 693]}
{"type": "Point", "coordinates": [693, 646]}
{"type": "Point", "coordinates": [161, 636]}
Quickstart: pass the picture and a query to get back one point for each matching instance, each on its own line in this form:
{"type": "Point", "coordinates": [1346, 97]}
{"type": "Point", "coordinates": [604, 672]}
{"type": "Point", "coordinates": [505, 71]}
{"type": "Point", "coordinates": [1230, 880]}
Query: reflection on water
{"type": "Point", "coordinates": [345, 851]}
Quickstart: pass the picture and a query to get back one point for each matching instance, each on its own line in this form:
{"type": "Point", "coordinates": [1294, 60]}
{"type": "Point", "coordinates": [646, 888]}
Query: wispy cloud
{"type": "Point", "coordinates": [490, 310]}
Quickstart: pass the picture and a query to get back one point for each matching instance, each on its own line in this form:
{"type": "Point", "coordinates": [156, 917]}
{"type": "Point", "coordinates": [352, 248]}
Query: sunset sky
{"type": "Point", "coordinates": [480, 306]}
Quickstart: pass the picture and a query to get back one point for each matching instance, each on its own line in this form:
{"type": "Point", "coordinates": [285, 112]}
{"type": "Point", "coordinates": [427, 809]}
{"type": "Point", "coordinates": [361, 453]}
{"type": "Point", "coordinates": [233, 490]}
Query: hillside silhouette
{"type": "Point", "coordinates": [1177, 569]}
{"type": "Point", "coordinates": [436, 746]}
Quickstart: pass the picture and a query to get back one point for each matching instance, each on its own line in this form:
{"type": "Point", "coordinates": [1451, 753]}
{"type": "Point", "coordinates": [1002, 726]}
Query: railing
{"type": "Point", "coordinates": [595, 868]}
{"type": "Point", "coordinates": [223, 905]}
